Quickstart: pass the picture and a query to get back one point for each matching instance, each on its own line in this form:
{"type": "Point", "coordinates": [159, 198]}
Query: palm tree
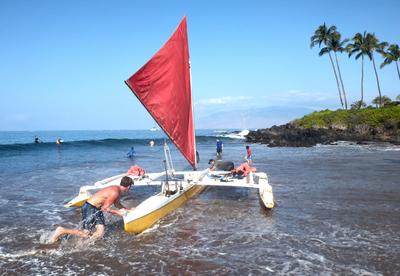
{"type": "Point", "coordinates": [322, 35]}
{"type": "Point", "coordinates": [392, 54]}
{"type": "Point", "coordinates": [360, 48]}
{"type": "Point", "coordinates": [357, 105]}
{"type": "Point", "coordinates": [337, 45]}
{"type": "Point", "coordinates": [374, 45]}
{"type": "Point", "coordinates": [382, 101]}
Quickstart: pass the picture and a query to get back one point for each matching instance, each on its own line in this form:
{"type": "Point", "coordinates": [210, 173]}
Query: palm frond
{"type": "Point", "coordinates": [324, 51]}
{"type": "Point", "coordinates": [385, 62]}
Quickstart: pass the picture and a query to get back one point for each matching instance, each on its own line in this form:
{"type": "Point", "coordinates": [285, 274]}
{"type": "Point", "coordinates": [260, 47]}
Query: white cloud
{"type": "Point", "coordinates": [224, 100]}
{"type": "Point", "coordinates": [290, 99]}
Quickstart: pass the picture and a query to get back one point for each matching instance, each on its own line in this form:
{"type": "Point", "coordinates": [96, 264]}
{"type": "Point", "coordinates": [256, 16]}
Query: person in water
{"type": "Point", "coordinates": [248, 155]}
{"type": "Point", "coordinates": [37, 140]}
{"type": "Point", "coordinates": [197, 157]}
{"type": "Point", "coordinates": [131, 153]}
{"type": "Point", "coordinates": [59, 141]}
{"type": "Point", "coordinates": [220, 147]}
{"type": "Point", "coordinates": [92, 211]}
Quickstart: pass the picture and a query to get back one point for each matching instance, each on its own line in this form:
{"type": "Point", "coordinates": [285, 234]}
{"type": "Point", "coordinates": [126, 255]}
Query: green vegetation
{"type": "Point", "coordinates": [361, 45]}
{"type": "Point", "coordinates": [388, 116]}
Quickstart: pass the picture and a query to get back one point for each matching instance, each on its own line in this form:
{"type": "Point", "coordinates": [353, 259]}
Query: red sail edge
{"type": "Point", "coordinates": [162, 85]}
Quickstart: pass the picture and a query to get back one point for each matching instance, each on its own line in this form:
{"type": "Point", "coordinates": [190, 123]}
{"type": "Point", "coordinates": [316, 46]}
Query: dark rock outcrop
{"type": "Point", "coordinates": [290, 135]}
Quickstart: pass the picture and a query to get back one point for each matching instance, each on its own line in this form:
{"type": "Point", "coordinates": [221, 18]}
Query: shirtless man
{"type": "Point", "coordinates": [92, 211]}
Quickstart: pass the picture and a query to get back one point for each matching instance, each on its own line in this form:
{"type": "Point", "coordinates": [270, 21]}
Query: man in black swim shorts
{"type": "Point", "coordinates": [92, 211]}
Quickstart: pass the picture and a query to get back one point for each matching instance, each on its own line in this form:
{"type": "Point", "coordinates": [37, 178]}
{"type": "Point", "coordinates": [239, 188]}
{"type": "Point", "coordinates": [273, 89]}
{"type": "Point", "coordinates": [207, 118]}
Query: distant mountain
{"type": "Point", "coordinates": [249, 118]}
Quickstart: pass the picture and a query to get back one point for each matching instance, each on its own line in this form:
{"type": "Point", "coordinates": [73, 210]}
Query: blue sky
{"type": "Point", "coordinates": [63, 63]}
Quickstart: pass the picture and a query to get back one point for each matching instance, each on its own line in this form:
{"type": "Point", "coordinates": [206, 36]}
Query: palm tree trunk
{"type": "Point", "coordinates": [362, 80]}
{"type": "Point", "coordinates": [341, 82]}
{"type": "Point", "coordinates": [397, 67]}
{"type": "Point", "coordinates": [377, 82]}
{"type": "Point", "coordinates": [337, 81]}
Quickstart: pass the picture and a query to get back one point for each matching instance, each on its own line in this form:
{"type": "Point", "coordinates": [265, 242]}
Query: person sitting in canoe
{"type": "Point", "coordinates": [92, 211]}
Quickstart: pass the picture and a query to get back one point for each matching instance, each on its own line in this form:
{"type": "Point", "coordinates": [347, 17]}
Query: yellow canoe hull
{"type": "Point", "coordinates": [78, 201]}
{"type": "Point", "coordinates": [139, 225]}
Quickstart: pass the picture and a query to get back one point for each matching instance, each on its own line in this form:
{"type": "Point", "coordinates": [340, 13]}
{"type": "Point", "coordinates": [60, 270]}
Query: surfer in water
{"type": "Point", "coordinates": [92, 211]}
{"type": "Point", "coordinates": [37, 140]}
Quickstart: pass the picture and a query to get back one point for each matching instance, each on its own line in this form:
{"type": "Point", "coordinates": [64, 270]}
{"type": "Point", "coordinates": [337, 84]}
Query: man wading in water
{"type": "Point", "coordinates": [92, 211]}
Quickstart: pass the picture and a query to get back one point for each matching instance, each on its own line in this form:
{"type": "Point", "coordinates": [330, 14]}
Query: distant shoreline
{"type": "Point", "coordinates": [328, 127]}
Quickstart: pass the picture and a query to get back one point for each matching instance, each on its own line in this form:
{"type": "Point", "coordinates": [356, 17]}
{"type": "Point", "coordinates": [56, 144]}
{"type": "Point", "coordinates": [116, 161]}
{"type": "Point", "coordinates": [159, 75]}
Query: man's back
{"type": "Point", "coordinates": [106, 195]}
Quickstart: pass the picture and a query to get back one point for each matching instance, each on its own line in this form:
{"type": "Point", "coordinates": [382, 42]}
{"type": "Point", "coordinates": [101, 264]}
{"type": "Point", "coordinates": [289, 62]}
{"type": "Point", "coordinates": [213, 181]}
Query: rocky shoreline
{"type": "Point", "coordinates": [290, 135]}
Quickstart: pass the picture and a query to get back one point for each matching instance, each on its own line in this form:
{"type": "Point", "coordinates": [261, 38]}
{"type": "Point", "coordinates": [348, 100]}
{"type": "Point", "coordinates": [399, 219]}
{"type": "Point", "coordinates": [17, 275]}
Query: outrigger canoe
{"type": "Point", "coordinates": [163, 86]}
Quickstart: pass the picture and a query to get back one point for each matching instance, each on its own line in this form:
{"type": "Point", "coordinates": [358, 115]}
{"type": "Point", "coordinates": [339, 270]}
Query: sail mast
{"type": "Point", "coordinates": [194, 129]}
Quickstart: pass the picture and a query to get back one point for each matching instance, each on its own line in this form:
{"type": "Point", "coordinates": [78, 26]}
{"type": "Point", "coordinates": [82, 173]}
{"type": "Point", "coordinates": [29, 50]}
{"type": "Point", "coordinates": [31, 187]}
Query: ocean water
{"type": "Point", "coordinates": [337, 211]}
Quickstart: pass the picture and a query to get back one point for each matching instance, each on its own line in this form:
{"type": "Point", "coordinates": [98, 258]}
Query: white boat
{"type": "Point", "coordinates": [153, 129]}
{"type": "Point", "coordinates": [165, 91]}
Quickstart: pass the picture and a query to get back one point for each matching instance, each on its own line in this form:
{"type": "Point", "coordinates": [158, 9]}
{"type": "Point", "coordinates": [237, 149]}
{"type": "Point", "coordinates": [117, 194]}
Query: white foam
{"type": "Point", "coordinates": [3, 201]}
{"type": "Point", "coordinates": [269, 269]}
{"type": "Point", "coordinates": [372, 146]}
{"type": "Point", "coordinates": [45, 237]}
{"type": "Point", "coordinates": [240, 135]}
{"type": "Point", "coordinates": [151, 229]}
{"type": "Point", "coordinates": [18, 254]}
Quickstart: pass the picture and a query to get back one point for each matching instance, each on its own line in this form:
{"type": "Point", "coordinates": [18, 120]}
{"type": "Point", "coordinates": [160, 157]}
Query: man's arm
{"type": "Point", "coordinates": [111, 199]}
{"type": "Point", "coordinates": [118, 204]}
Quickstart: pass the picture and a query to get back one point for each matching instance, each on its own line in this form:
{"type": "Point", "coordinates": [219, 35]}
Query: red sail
{"type": "Point", "coordinates": [162, 85]}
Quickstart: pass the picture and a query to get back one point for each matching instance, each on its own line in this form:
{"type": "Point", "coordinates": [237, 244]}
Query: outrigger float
{"type": "Point", "coordinates": [163, 86]}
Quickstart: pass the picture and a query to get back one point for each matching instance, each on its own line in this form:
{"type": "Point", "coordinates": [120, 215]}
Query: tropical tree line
{"type": "Point", "coordinates": [360, 46]}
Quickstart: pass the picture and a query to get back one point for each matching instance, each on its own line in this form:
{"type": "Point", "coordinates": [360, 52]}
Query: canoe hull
{"type": "Point", "coordinates": [266, 195]}
{"type": "Point", "coordinates": [142, 223]}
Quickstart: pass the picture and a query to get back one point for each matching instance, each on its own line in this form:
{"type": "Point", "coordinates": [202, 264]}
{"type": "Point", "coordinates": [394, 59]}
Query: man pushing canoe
{"type": "Point", "coordinates": [92, 211]}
